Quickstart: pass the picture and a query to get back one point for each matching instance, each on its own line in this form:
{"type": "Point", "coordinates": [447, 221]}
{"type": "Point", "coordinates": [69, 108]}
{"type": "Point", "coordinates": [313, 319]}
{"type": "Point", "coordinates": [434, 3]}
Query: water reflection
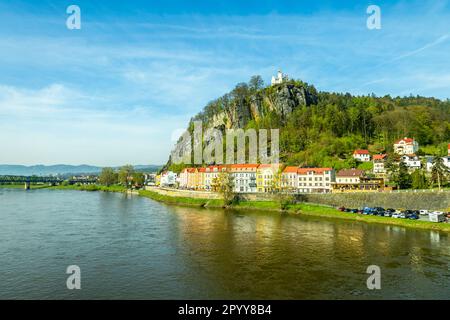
{"type": "Point", "coordinates": [266, 255]}
{"type": "Point", "coordinates": [131, 247]}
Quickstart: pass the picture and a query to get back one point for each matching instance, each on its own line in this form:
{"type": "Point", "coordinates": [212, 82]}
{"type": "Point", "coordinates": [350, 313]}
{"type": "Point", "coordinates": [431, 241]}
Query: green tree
{"type": "Point", "coordinates": [439, 171]}
{"type": "Point", "coordinates": [138, 178]}
{"type": "Point", "coordinates": [419, 179]}
{"type": "Point", "coordinates": [224, 184]}
{"type": "Point", "coordinates": [256, 83]}
{"type": "Point", "coordinates": [108, 177]}
{"type": "Point", "coordinates": [125, 174]}
{"type": "Point", "coordinates": [403, 178]}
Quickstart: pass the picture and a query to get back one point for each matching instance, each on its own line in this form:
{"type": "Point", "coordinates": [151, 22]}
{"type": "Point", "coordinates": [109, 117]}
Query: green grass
{"type": "Point", "coordinates": [181, 200]}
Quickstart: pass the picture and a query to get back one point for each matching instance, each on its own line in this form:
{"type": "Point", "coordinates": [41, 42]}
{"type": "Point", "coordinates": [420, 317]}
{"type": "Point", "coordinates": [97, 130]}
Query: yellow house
{"type": "Point", "coordinates": [268, 177]}
{"type": "Point", "coordinates": [158, 180]}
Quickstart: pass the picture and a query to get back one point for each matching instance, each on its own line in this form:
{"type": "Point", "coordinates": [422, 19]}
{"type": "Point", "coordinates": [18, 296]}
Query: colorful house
{"type": "Point", "coordinates": [268, 177]}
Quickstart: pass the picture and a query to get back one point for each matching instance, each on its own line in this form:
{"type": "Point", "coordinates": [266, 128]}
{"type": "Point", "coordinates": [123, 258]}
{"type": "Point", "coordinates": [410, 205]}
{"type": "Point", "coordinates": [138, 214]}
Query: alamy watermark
{"type": "Point", "coordinates": [74, 280]}
{"type": "Point", "coordinates": [374, 20]}
{"type": "Point", "coordinates": [374, 280]}
{"type": "Point", "coordinates": [74, 20]}
{"type": "Point", "coordinates": [207, 147]}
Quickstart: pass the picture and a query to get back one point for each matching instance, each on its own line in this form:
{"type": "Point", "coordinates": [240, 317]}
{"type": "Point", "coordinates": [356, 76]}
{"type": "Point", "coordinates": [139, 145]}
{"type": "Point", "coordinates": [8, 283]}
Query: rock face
{"type": "Point", "coordinates": [281, 99]}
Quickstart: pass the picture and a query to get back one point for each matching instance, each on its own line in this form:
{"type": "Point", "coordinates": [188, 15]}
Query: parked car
{"type": "Point", "coordinates": [396, 215]}
{"type": "Point", "coordinates": [437, 216]}
{"type": "Point", "coordinates": [389, 212]}
{"type": "Point", "coordinates": [341, 208]}
{"type": "Point", "coordinates": [354, 210]}
{"type": "Point", "coordinates": [413, 216]}
{"type": "Point", "coordinates": [423, 212]}
{"type": "Point", "coordinates": [402, 215]}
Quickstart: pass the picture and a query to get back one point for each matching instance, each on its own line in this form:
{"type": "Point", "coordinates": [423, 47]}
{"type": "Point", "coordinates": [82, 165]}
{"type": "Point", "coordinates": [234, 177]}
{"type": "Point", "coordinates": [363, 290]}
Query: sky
{"type": "Point", "coordinates": [120, 89]}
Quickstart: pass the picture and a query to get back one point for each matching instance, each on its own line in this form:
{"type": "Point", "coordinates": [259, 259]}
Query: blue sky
{"type": "Point", "coordinates": [115, 91]}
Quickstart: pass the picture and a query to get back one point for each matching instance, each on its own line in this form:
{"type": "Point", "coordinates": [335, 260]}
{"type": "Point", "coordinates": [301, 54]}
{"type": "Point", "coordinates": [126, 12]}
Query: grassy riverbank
{"type": "Point", "coordinates": [305, 209]}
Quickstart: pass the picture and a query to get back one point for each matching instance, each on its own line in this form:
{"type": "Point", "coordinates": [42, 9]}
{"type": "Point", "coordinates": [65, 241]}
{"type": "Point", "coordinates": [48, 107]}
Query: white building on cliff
{"type": "Point", "coordinates": [279, 79]}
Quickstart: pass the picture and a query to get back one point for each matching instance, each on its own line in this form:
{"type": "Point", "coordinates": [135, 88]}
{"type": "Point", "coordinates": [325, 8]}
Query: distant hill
{"type": "Point", "coordinates": [61, 169]}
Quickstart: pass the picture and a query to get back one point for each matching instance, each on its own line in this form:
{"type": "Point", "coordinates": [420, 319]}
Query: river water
{"type": "Point", "coordinates": [129, 247]}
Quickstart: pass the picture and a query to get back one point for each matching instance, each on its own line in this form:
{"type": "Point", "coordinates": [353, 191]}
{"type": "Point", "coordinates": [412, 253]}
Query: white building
{"type": "Point", "coordinates": [379, 161]}
{"type": "Point", "coordinates": [211, 175]}
{"type": "Point", "coordinates": [361, 155]}
{"type": "Point", "coordinates": [244, 177]}
{"type": "Point", "coordinates": [289, 179]}
{"type": "Point", "coordinates": [315, 180]}
{"type": "Point", "coordinates": [411, 161]}
{"type": "Point", "coordinates": [406, 146]}
{"type": "Point", "coordinates": [168, 179]}
{"type": "Point", "coordinates": [279, 79]}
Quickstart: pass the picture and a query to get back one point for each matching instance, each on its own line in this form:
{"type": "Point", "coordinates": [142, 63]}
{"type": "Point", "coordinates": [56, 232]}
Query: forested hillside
{"type": "Point", "coordinates": [322, 128]}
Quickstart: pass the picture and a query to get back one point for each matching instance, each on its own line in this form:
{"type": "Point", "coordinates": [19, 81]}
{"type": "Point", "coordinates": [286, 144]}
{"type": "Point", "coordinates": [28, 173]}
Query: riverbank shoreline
{"type": "Point", "coordinates": [300, 209]}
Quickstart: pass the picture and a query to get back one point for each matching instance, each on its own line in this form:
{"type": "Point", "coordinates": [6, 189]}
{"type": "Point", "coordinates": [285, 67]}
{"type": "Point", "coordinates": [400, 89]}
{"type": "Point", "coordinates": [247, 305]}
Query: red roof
{"type": "Point", "coordinates": [290, 170]}
{"type": "Point", "coordinates": [315, 170]}
{"type": "Point", "coordinates": [244, 165]}
{"type": "Point", "coordinates": [379, 156]}
{"type": "Point", "coordinates": [361, 152]}
{"type": "Point", "coordinates": [405, 140]}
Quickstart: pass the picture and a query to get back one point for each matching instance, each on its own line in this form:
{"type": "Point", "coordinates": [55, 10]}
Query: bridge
{"type": "Point", "coordinates": [27, 181]}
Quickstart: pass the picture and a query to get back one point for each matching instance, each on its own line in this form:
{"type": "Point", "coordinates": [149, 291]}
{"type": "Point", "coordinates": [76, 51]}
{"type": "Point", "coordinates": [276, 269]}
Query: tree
{"type": "Point", "coordinates": [439, 171]}
{"type": "Point", "coordinates": [403, 178]}
{"type": "Point", "coordinates": [125, 174]}
{"type": "Point", "coordinates": [419, 180]}
{"type": "Point", "coordinates": [224, 184]}
{"type": "Point", "coordinates": [256, 83]}
{"type": "Point", "coordinates": [108, 176]}
{"type": "Point", "coordinates": [138, 178]}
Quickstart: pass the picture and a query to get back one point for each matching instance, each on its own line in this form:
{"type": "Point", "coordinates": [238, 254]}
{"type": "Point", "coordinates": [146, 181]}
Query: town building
{"type": "Point", "coordinates": [411, 161]}
{"type": "Point", "coordinates": [168, 179]}
{"type": "Point", "coordinates": [406, 146]}
{"type": "Point", "coordinates": [315, 180]}
{"type": "Point", "coordinates": [361, 155]}
{"type": "Point", "coordinates": [268, 178]}
{"type": "Point", "coordinates": [379, 161]}
{"type": "Point", "coordinates": [244, 177]}
{"type": "Point", "coordinates": [280, 78]}
{"type": "Point", "coordinates": [289, 179]}
{"type": "Point", "coordinates": [354, 180]}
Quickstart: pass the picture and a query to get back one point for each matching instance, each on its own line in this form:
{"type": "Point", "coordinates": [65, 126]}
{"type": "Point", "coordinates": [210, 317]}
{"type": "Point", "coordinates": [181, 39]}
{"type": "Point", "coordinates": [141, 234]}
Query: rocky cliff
{"type": "Point", "coordinates": [244, 104]}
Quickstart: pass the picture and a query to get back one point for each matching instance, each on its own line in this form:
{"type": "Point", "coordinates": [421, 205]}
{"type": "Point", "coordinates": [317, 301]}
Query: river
{"type": "Point", "coordinates": [129, 247]}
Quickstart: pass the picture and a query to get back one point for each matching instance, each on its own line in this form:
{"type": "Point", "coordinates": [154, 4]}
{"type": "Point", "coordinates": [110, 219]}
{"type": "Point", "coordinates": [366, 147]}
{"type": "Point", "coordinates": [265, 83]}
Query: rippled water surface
{"type": "Point", "coordinates": [134, 248]}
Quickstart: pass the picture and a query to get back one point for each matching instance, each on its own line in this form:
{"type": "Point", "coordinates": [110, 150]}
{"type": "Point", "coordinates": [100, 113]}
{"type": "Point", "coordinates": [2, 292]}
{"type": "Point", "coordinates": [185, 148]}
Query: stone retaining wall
{"type": "Point", "coordinates": [431, 200]}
